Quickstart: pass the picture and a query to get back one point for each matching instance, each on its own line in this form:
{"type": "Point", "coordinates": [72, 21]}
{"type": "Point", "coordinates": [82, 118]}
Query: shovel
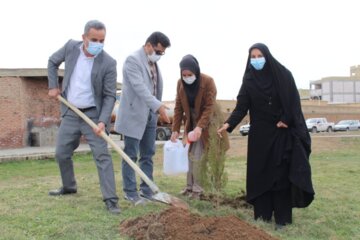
{"type": "Point", "coordinates": [158, 196]}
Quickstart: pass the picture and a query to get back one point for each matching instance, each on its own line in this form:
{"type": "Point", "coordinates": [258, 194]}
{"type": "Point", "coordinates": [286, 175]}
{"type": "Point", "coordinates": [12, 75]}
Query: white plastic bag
{"type": "Point", "coordinates": [175, 158]}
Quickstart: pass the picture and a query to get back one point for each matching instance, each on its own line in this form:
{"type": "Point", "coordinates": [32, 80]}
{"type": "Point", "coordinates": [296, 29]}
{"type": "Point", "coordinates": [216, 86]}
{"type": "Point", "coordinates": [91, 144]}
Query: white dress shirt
{"type": "Point", "coordinates": [80, 89]}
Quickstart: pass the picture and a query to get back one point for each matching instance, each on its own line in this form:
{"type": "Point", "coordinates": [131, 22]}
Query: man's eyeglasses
{"type": "Point", "coordinates": [158, 52]}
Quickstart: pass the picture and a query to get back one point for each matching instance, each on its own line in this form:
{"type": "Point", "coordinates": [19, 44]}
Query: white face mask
{"type": "Point", "coordinates": [189, 80]}
{"type": "Point", "coordinates": [154, 57]}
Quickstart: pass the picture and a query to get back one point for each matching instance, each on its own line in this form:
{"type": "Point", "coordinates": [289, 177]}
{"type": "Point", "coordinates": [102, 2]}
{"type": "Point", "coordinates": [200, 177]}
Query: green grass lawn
{"type": "Point", "coordinates": [27, 212]}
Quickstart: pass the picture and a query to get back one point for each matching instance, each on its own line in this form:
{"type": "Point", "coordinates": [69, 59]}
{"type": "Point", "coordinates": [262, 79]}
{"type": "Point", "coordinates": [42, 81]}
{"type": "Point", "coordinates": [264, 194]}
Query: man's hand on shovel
{"type": "Point", "coordinates": [53, 93]}
{"type": "Point", "coordinates": [99, 129]}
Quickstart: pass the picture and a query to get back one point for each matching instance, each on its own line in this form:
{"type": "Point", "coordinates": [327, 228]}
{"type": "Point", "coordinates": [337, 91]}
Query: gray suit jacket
{"type": "Point", "coordinates": [103, 77]}
{"type": "Point", "coordinates": [136, 99]}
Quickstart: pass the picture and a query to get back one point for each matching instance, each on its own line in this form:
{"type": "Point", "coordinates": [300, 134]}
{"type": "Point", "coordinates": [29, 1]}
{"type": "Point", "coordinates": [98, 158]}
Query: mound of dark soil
{"type": "Point", "coordinates": [180, 224]}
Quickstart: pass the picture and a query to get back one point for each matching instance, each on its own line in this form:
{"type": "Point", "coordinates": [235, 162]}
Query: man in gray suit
{"type": "Point", "coordinates": [89, 84]}
{"type": "Point", "coordinates": [140, 104]}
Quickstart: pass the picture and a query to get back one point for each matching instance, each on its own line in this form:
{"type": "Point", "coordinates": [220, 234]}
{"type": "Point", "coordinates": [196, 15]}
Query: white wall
{"type": "Point", "coordinates": [357, 87]}
{"type": "Point", "coordinates": [340, 91]}
{"type": "Point", "coordinates": [349, 87]}
{"type": "Point", "coordinates": [326, 97]}
{"type": "Point", "coordinates": [357, 98]}
{"type": "Point", "coordinates": [338, 87]}
{"type": "Point", "coordinates": [325, 88]}
{"type": "Point", "coordinates": [338, 98]}
{"type": "Point", "coordinates": [349, 98]}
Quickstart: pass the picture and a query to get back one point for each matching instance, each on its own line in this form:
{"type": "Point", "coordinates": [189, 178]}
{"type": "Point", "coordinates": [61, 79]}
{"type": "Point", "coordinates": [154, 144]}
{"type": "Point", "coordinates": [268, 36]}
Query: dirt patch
{"type": "Point", "coordinates": [238, 146]}
{"type": "Point", "coordinates": [180, 224]}
{"type": "Point", "coordinates": [238, 201]}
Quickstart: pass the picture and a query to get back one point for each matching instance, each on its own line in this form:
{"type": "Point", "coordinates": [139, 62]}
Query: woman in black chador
{"type": "Point", "coordinates": [279, 145]}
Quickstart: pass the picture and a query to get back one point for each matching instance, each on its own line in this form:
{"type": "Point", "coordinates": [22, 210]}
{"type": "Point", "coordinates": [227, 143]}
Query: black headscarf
{"type": "Point", "coordinates": [282, 81]}
{"type": "Point", "coordinates": [263, 78]}
{"type": "Point", "coordinates": [189, 62]}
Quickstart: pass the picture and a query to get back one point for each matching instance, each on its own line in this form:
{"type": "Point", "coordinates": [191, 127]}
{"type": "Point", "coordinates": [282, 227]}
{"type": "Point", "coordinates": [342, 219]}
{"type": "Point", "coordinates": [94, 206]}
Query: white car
{"type": "Point", "coordinates": [347, 125]}
{"type": "Point", "coordinates": [319, 125]}
{"type": "Point", "coordinates": [244, 129]}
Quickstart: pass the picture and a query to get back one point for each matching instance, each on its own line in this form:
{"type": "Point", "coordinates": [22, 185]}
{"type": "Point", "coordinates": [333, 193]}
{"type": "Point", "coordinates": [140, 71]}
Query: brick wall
{"type": "Point", "coordinates": [24, 105]}
{"type": "Point", "coordinates": [39, 107]}
{"type": "Point", "coordinates": [11, 128]}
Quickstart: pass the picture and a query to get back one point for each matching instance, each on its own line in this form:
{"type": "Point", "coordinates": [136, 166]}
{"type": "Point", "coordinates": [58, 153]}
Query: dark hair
{"type": "Point", "coordinates": [158, 37]}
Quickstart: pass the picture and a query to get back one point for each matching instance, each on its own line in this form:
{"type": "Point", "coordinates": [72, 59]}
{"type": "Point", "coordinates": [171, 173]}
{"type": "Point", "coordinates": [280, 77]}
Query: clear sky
{"type": "Point", "coordinates": [312, 38]}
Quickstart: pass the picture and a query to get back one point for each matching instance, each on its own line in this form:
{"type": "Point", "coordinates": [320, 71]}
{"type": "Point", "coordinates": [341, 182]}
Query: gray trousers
{"type": "Point", "coordinates": [68, 139]}
{"type": "Point", "coordinates": [195, 154]}
{"type": "Point", "coordinates": [193, 175]}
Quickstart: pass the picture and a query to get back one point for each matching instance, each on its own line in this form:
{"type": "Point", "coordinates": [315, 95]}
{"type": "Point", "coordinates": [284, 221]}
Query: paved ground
{"type": "Point", "coordinates": [35, 153]}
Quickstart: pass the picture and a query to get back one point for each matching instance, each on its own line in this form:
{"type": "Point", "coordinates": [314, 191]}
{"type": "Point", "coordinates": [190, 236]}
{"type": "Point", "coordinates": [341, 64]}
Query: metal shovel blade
{"type": "Point", "coordinates": [169, 199]}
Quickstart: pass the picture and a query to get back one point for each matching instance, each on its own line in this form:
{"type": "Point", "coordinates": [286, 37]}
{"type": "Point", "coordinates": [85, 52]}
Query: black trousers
{"type": "Point", "coordinates": [277, 202]}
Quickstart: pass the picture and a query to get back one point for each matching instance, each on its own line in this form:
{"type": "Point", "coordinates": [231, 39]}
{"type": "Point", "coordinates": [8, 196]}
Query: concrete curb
{"type": "Point", "coordinates": [40, 153]}
{"type": "Point", "coordinates": [34, 156]}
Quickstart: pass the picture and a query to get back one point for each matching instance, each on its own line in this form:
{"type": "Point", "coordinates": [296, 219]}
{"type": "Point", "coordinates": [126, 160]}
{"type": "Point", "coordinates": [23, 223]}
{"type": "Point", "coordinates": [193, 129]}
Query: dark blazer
{"type": "Point", "coordinates": [103, 77]}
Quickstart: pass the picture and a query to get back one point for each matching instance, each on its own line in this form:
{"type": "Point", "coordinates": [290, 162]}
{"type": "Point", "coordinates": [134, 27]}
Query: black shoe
{"type": "Point", "coordinates": [112, 207]}
{"type": "Point", "coordinates": [61, 191]}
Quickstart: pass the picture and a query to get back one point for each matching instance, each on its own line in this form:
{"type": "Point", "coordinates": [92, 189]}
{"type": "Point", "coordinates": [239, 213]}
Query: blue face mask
{"type": "Point", "coordinates": [95, 48]}
{"type": "Point", "coordinates": [258, 63]}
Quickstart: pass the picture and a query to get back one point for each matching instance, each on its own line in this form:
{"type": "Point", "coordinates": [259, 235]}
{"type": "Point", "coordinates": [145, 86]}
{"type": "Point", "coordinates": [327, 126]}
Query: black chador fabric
{"type": "Point", "coordinates": [278, 158]}
{"type": "Point", "coordinates": [190, 63]}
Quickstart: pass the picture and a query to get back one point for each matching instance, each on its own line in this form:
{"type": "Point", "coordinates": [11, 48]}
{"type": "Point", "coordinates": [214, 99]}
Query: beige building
{"type": "Point", "coordinates": [338, 89]}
